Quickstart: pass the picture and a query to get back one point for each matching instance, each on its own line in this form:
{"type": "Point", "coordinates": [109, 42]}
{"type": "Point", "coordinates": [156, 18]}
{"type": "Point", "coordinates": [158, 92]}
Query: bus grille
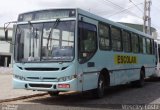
{"type": "Point", "coordinates": [42, 69]}
{"type": "Point", "coordinates": [41, 85]}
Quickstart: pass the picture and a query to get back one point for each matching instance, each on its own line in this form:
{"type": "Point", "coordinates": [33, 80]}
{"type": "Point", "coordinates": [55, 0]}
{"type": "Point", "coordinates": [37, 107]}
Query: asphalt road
{"type": "Point", "coordinates": [115, 98]}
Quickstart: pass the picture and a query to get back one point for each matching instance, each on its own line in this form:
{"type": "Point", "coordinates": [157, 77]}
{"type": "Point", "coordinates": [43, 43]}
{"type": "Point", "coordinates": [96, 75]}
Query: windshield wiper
{"type": "Point", "coordinates": [32, 30]}
{"type": "Point", "coordinates": [54, 26]}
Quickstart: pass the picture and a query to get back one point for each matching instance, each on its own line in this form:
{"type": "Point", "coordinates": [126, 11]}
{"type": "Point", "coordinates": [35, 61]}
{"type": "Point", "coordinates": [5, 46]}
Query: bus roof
{"type": "Point", "coordinates": [99, 18]}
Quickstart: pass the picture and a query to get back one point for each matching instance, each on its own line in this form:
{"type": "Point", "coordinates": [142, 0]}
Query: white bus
{"type": "Point", "coordinates": [60, 50]}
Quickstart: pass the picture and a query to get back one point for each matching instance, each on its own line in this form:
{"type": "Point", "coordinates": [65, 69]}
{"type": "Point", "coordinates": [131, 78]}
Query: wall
{"type": "Point", "coordinates": [5, 48]}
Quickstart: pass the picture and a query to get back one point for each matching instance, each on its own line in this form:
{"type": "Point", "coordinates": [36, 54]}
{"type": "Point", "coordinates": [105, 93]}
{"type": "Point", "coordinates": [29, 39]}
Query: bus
{"type": "Point", "coordinates": [70, 49]}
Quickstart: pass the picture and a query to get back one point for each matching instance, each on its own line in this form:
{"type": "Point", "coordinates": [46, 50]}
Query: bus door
{"type": "Point", "coordinates": [87, 48]}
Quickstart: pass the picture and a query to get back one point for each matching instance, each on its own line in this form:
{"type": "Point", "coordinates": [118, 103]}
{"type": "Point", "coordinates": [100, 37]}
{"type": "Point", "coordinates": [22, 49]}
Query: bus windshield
{"type": "Point", "coordinates": [45, 41]}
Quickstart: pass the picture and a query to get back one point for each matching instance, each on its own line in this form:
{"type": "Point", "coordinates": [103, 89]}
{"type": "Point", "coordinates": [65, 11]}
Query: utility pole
{"type": "Point", "coordinates": [146, 17]}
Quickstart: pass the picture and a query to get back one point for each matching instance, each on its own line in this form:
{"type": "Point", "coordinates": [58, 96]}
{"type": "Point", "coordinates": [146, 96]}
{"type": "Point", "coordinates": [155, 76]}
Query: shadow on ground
{"type": "Point", "coordinates": [114, 97]}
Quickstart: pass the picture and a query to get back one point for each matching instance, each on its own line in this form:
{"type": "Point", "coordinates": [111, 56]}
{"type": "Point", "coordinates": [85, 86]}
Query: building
{"type": "Point", "coordinates": [5, 48]}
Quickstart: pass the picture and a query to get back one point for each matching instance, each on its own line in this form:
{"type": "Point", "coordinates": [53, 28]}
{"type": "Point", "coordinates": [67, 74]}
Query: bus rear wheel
{"type": "Point", "coordinates": [53, 93]}
{"type": "Point", "coordinates": [99, 92]}
{"type": "Point", "coordinates": [142, 77]}
{"type": "Point", "coordinates": [141, 81]}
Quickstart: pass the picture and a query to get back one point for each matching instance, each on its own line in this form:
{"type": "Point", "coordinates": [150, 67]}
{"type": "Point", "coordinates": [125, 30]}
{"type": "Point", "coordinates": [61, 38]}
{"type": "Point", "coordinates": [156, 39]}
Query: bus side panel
{"type": "Point", "coordinates": [150, 72]}
{"type": "Point", "coordinates": [149, 64]}
{"type": "Point", "coordinates": [90, 81]}
{"type": "Point", "coordinates": [124, 76]}
{"type": "Point", "coordinates": [120, 77]}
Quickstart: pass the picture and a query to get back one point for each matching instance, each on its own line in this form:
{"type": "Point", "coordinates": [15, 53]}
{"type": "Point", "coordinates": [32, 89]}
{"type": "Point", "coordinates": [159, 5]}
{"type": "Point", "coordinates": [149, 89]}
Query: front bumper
{"type": "Point", "coordinates": [44, 86]}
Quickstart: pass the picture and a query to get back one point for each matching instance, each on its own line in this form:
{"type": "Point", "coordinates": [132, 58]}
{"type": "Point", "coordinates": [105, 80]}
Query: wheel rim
{"type": "Point", "coordinates": [101, 87]}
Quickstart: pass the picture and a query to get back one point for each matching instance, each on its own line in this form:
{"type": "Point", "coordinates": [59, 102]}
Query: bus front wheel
{"type": "Point", "coordinates": [99, 92]}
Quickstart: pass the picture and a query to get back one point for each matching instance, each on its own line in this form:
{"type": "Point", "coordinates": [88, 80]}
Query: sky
{"type": "Point", "coordinates": [114, 10]}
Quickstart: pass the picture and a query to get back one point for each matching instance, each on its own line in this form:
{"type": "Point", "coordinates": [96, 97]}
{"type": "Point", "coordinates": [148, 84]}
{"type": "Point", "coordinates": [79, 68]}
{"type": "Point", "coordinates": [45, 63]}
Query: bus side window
{"type": "Point", "coordinates": [153, 49]}
{"type": "Point", "coordinates": [126, 41]}
{"type": "Point", "coordinates": [116, 39]}
{"type": "Point", "coordinates": [104, 36]}
{"type": "Point", "coordinates": [148, 46]}
{"type": "Point", "coordinates": [144, 45]}
{"type": "Point", "coordinates": [141, 44]}
{"type": "Point", "coordinates": [87, 44]}
{"type": "Point", "coordinates": [135, 43]}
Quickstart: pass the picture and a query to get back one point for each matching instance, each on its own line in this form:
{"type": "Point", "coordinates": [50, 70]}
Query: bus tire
{"type": "Point", "coordinates": [140, 82]}
{"type": "Point", "coordinates": [53, 93]}
{"type": "Point", "coordinates": [100, 90]}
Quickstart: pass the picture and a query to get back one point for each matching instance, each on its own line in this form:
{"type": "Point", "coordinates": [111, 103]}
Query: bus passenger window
{"type": "Point", "coordinates": [126, 41]}
{"type": "Point", "coordinates": [148, 46]}
{"type": "Point", "coordinates": [135, 43]}
{"type": "Point", "coordinates": [152, 47]}
{"type": "Point", "coordinates": [104, 41]}
{"type": "Point", "coordinates": [87, 41]}
{"type": "Point", "coordinates": [141, 44]}
{"type": "Point", "coordinates": [116, 39]}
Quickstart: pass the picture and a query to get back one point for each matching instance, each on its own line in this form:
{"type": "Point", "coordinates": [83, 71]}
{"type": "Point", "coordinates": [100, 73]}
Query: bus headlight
{"type": "Point", "coordinates": [19, 77]}
{"type": "Point", "coordinates": [67, 78]}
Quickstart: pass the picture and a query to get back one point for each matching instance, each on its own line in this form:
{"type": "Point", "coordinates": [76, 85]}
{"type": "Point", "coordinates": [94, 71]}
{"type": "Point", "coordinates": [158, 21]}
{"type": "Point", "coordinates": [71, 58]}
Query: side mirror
{"type": "Point", "coordinates": [6, 34]}
{"type": "Point", "coordinates": [6, 29]}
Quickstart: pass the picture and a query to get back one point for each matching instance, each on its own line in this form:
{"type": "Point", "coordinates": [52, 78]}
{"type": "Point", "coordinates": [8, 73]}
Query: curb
{"type": "Point", "coordinates": [22, 97]}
